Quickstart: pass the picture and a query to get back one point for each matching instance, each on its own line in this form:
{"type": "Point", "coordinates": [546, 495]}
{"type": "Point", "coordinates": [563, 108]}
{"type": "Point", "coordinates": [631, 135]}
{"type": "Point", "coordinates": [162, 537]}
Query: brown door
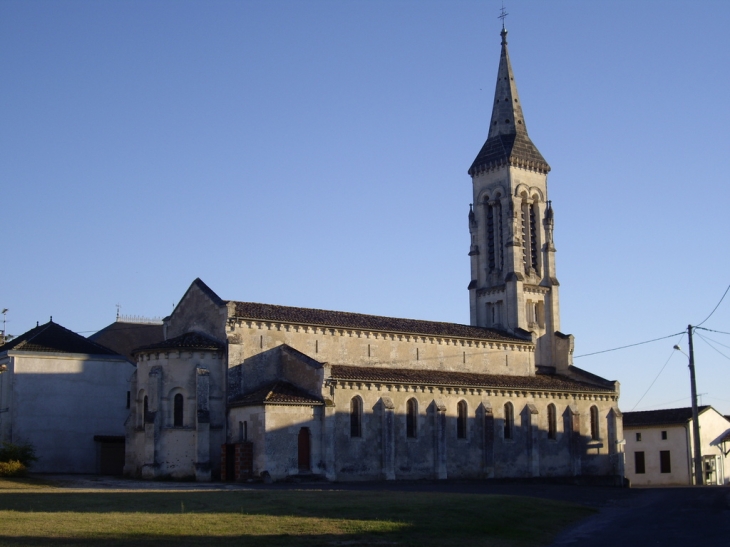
{"type": "Point", "coordinates": [304, 450]}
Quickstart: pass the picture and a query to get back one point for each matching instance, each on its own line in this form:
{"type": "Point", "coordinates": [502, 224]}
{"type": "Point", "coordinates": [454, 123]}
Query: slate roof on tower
{"type": "Point", "coordinates": [53, 338]}
{"type": "Point", "coordinates": [507, 142]}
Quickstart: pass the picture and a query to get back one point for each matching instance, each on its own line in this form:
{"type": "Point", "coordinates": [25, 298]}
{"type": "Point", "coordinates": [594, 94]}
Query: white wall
{"type": "Point", "coordinates": [59, 401]}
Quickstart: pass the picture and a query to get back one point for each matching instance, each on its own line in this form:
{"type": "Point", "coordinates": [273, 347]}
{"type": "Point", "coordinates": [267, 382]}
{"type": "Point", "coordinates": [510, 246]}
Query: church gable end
{"type": "Point", "coordinates": [201, 310]}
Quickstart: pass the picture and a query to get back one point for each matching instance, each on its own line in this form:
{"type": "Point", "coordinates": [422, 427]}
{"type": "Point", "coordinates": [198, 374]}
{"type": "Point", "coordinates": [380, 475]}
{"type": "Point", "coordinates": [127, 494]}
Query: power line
{"type": "Point", "coordinates": [657, 376]}
{"type": "Point", "coordinates": [713, 347]}
{"type": "Point", "coordinates": [714, 341]}
{"type": "Point", "coordinates": [629, 346]}
{"type": "Point", "coordinates": [710, 330]}
{"type": "Point", "coordinates": [715, 308]}
{"type": "Point", "coordinates": [667, 403]}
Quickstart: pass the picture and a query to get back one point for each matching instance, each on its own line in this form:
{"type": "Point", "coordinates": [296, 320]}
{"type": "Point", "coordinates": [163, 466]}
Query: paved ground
{"type": "Point", "coordinates": [639, 517]}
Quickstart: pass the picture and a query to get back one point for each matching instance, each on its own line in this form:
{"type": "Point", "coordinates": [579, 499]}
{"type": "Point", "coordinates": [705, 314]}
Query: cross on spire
{"type": "Point", "coordinates": [502, 15]}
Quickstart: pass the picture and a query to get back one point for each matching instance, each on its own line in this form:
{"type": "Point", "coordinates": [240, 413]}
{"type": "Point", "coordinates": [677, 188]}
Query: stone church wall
{"type": "Point", "coordinates": [361, 348]}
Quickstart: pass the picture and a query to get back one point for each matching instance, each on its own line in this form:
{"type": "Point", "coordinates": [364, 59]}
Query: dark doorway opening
{"type": "Point", "coordinates": [230, 462]}
{"type": "Point", "coordinates": [304, 450]}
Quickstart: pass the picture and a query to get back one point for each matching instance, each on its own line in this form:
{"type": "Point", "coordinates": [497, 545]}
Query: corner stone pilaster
{"type": "Point", "coordinates": [533, 440]}
{"type": "Point", "coordinates": [388, 437]}
{"type": "Point", "coordinates": [439, 438]}
{"type": "Point", "coordinates": [575, 440]}
{"type": "Point", "coordinates": [328, 439]}
{"type": "Point", "coordinates": [202, 425]}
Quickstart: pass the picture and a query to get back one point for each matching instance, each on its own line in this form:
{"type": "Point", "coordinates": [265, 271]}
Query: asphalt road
{"type": "Point", "coordinates": [658, 516]}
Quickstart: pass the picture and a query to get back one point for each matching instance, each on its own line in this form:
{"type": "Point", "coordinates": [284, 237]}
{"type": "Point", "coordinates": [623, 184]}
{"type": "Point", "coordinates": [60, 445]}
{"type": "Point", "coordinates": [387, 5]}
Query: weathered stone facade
{"type": "Point", "coordinates": [359, 397]}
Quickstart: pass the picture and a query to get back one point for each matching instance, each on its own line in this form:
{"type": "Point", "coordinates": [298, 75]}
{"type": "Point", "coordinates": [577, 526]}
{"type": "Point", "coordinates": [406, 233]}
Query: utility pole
{"type": "Point", "coordinates": [695, 415]}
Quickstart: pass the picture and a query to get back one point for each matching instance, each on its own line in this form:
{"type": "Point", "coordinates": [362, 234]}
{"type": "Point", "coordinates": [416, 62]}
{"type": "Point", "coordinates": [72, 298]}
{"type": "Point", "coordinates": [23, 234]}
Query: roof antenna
{"type": "Point", "coordinates": [502, 15]}
{"type": "Point", "coordinates": [119, 307]}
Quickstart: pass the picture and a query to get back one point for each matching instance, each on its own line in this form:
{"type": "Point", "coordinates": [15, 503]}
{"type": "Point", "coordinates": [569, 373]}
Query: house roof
{"type": "Point", "coordinates": [124, 337]}
{"type": "Point", "coordinates": [277, 393]}
{"type": "Point", "coordinates": [53, 338]}
{"type": "Point", "coordinates": [667, 416]}
{"type": "Point", "coordinates": [547, 382]}
{"type": "Point", "coordinates": [348, 320]}
{"type": "Point", "coordinates": [189, 340]}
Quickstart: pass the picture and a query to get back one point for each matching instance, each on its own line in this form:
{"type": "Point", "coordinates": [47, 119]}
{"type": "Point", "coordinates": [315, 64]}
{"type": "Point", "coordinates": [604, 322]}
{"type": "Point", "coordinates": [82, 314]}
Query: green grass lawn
{"type": "Point", "coordinates": [36, 513]}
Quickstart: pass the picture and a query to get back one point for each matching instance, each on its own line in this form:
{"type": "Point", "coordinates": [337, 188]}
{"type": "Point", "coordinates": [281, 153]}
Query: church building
{"type": "Point", "coordinates": [240, 390]}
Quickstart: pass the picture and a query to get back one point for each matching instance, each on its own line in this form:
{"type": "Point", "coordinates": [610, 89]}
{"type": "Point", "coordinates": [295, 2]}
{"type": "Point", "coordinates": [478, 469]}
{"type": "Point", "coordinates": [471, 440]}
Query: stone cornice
{"type": "Point", "coordinates": [444, 389]}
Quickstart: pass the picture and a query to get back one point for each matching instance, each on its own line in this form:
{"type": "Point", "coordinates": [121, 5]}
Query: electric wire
{"type": "Point", "coordinates": [629, 346]}
{"type": "Point", "coordinates": [667, 403]}
{"type": "Point", "coordinates": [713, 347]}
{"type": "Point", "coordinates": [659, 374]}
{"type": "Point", "coordinates": [715, 308]}
{"type": "Point", "coordinates": [711, 330]}
{"type": "Point", "coordinates": [714, 341]}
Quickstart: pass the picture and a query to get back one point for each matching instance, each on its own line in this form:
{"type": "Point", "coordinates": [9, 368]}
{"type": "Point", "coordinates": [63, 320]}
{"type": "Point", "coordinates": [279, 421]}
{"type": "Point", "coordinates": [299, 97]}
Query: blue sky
{"type": "Point", "coordinates": [315, 154]}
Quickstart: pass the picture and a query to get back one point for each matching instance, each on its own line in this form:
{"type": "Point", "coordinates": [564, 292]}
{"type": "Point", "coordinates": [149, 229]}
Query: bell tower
{"type": "Point", "coordinates": [513, 284]}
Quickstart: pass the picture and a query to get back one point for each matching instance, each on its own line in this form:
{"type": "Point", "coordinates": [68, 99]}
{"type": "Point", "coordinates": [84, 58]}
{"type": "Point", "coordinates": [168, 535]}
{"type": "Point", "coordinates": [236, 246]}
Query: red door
{"type": "Point", "coordinates": [304, 449]}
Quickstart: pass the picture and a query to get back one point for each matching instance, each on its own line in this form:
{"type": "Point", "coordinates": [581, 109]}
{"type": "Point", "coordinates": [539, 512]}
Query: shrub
{"type": "Point", "coordinates": [12, 468]}
{"type": "Point", "coordinates": [23, 453]}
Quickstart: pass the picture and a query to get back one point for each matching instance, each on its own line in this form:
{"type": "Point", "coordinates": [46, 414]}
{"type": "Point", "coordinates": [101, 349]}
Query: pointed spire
{"type": "Point", "coordinates": [507, 118]}
{"type": "Point", "coordinates": [507, 141]}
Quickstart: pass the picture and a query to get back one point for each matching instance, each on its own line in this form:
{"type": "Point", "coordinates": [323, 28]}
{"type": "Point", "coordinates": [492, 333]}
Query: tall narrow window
{"type": "Point", "coordinates": [509, 420]}
{"type": "Point", "coordinates": [595, 430]}
{"type": "Point", "coordinates": [533, 237]}
{"type": "Point", "coordinates": [356, 417]}
{"type": "Point", "coordinates": [145, 409]}
{"type": "Point", "coordinates": [639, 467]}
{"type": "Point", "coordinates": [490, 237]}
{"type": "Point", "coordinates": [498, 234]}
{"type": "Point", "coordinates": [178, 410]}
{"type": "Point", "coordinates": [461, 411]}
{"type": "Point", "coordinates": [552, 422]}
{"type": "Point", "coordinates": [411, 418]}
{"type": "Point", "coordinates": [525, 237]}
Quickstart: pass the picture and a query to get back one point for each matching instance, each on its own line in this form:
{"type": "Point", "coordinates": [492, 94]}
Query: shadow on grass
{"type": "Point", "coordinates": [224, 518]}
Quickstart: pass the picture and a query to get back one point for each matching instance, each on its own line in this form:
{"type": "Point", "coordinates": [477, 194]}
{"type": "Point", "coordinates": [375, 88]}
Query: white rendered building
{"type": "Point", "coordinates": [659, 446]}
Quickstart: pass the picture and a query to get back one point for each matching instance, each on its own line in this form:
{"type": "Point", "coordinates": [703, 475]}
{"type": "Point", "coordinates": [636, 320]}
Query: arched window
{"type": "Point", "coordinates": [552, 422]}
{"type": "Point", "coordinates": [461, 411]}
{"type": "Point", "coordinates": [595, 431]}
{"type": "Point", "coordinates": [145, 410]}
{"type": "Point", "coordinates": [411, 418]}
{"type": "Point", "coordinates": [509, 420]}
{"type": "Point", "coordinates": [178, 410]}
{"type": "Point", "coordinates": [356, 417]}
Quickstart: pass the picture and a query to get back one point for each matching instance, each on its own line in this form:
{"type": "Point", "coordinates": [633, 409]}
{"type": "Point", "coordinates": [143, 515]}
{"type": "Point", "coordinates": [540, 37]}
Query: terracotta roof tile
{"type": "Point", "coordinates": [277, 393]}
{"type": "Point", "coordinates": [457, 379]}
{"type": "Point", "coordinates": [348, 320]}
